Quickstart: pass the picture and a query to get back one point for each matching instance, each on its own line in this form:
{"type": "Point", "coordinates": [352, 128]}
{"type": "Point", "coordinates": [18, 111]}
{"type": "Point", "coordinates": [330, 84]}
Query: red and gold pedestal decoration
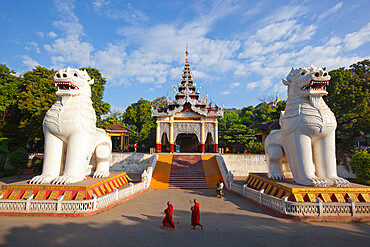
{"type": "Point", "coordinates": [77, 191]}
{"type": "Point", "coordinates": [301, 193]}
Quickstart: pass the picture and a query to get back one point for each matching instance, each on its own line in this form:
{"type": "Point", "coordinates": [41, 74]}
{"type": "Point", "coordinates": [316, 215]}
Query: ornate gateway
{"type": "Point", "coordinates": [187, 121]}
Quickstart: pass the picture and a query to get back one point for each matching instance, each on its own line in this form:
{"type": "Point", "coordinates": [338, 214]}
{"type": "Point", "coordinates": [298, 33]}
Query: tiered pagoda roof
{"type": "Point", "coordinates": [187, 98]}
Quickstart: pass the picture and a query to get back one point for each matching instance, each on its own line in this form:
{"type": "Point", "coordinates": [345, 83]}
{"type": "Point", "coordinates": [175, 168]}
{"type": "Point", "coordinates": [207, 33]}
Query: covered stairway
{"type": "Point", "coordinates": [185, 172]}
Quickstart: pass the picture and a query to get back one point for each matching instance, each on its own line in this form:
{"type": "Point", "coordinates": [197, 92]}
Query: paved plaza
{"type": "Point", "coordinates": [230, 221]}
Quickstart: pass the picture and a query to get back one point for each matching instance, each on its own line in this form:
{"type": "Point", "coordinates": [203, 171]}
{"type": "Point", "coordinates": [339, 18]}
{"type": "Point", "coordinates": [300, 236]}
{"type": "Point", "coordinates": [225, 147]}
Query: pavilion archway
{"type": "Point", "coordinates": [188, 143]}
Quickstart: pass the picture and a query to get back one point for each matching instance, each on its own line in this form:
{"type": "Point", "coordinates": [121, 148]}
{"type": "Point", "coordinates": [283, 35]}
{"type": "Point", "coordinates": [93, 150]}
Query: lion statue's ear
{"type": "Point", "coordinates": [285, 82]}
{"type": "Point", "coordinates": [91, 82]}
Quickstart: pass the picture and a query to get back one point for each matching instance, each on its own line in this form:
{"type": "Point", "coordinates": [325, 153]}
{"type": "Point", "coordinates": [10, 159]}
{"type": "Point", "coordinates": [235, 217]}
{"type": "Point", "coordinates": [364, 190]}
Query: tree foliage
{"type": "Point", "coordinates": [138, 119]}
{"type": "Point", "coordinates": [360, 165]}
{"type": "Point", "coordinates": [19, 158]}
{"type": "Point", "coordinates": [9, 88]}
{"type": "Point", "coordinates": [348, 97]}
{"type": "Point", "coordinates": [233, 133]}
{"type": "Point", "coordinates": [37, 96]}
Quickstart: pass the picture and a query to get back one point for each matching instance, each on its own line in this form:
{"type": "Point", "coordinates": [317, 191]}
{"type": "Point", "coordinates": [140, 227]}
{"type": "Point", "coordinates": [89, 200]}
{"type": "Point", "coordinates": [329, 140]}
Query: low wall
{"type": "Point", "coordinates": [131, 163]}
{"type": "Point", "coordinates": [241, 165]}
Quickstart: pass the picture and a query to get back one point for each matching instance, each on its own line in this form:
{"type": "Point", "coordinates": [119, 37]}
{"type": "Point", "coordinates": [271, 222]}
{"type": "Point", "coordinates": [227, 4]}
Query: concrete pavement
{"type": "Point", "coordinates": [230, 221]}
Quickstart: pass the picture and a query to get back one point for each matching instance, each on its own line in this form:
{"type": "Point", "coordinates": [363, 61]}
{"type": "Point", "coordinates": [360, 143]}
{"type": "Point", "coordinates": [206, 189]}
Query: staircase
{"type": "Point", "coordinates": [185, 172]}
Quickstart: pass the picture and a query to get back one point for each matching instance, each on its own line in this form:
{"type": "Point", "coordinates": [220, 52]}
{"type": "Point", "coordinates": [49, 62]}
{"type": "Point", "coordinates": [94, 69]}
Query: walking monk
{"type": "Point", "coordinates": [168, 221]}
{"type": "Point", "coordinates": [195, 215]}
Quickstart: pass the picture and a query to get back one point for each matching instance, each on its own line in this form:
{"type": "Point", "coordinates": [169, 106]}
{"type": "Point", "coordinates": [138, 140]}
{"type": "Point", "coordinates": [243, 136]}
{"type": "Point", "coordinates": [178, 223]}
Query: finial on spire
{"type": "Point", "coordinates": [277, 97]}
{"type": "Point", "coordinates": [187, 53]}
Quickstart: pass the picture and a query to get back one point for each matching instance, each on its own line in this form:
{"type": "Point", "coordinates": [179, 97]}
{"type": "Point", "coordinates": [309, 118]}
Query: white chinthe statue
{"type": "Point", "coordinates": [306, 140]}
{"type": "Point", "coordinates": [71, 136]}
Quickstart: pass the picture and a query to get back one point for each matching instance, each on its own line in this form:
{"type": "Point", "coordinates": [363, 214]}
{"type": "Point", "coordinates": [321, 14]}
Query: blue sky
{"type": "Point", "coordinates": [239, 50]}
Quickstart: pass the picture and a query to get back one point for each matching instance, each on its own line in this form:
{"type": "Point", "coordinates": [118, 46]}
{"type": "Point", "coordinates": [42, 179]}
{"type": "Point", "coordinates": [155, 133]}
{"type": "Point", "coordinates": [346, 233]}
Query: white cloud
{"type": "Point", "coordinates": [41, 34]}
{"type": "Point", "coordinates": [252, 85]}
{"type": "Point", "coordinates": [100, 3]}
{"type": "Point", "coordinates": [69, 49]}
{"type": "Point", "coordinates": [356, 39]}
{"type": "Point", "coordinates": [29, 62]}
{"type": "Point", "coordinates": [329, 12]}
{"type": "Point", "coordinates": [226, 92]}
{"type": "Point", "coordinates": [235, 84]}
{"type": "Point", "coordinates": [51, 34]}
{"type": "Point", "coordinates": [33, 46]}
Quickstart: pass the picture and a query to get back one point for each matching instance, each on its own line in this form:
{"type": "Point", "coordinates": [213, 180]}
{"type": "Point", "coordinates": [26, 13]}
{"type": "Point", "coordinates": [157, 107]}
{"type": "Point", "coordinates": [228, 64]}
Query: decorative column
{"type": "Point", "coordinates": [172, 142]}
{"type": "Point", "coordinates": [215, 144]}
{"type": "Point", "coordinates": [203, 139]}
{"type": "Point", "coordinates": [158, 138]}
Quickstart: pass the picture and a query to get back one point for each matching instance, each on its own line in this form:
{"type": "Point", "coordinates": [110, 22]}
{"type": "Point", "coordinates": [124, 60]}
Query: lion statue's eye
{"type": "Point", "coordinates": [75, 74]}
{"type": "Point", "coordinates": [303, 73]}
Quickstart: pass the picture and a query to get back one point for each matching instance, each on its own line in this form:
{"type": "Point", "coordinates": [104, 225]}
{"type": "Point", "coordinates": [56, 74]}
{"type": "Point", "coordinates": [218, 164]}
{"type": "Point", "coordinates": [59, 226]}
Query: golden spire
{"type": "Point", "coordinates": [187, 57]}
{"type": "Point", "coordinates": [277, 98]}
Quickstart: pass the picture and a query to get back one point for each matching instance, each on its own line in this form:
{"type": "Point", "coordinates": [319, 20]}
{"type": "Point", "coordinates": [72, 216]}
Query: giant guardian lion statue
{"type": "Point", "coordinates": [305, 144]}
{"type": "Point", "coordinates": [71, 137]}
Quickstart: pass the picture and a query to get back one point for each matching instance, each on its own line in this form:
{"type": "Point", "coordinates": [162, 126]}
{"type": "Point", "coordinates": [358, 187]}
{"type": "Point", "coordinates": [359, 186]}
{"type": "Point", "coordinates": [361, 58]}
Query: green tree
{"type": "Point", "coordinates": [114, 117]}
{"type": "Point", "coordinates": [360, 68]}
{"type": "Point", "coordinates": [9, 91]}
{"type": "Point", "coordinates": [4, 151]}
{"type": "Point", "coordinates": [349, 97]}
{"type": "Point", "coordinates": [138, 119]}
{"type": "Point", "coordinates": [19, 158]}
{"type": "Point", "coordinates": [234, 134]}
{"type": "Point", "coordinates": [360, 165]}
{"type": "Point", "coordinates": [10, 115]}
{"type": "Point", "coordinates": [160, 101]}
{"type": "Point", "coordinates": [38, 95]}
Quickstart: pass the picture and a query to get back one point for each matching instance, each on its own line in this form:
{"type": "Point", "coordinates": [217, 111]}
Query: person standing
{"type": "Point", "coordinates": [168, 221]}
{"type": "Point", "coordinates": [135, 146]}
{"type": "Point", "coordinates": [221, 188]}
{"type": "Point", "coordinates": [195, 215]}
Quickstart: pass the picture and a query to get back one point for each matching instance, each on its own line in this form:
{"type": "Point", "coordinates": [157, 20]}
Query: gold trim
{"type": "Point", "coordinates": [306, 190]}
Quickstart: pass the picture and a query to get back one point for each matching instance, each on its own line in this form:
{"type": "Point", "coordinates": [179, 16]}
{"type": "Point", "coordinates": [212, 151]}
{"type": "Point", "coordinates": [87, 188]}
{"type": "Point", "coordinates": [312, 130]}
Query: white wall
{"type": "Point", "coordinates": [242, 164]}
{"type": "Point", "coordinates": [131, 163]}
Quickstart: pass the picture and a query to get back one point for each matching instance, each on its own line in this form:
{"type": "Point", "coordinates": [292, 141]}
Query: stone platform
{"type": "Point", "coordinates": [300, 193]}
{"type": "Point", "coordinates": [82, 190]}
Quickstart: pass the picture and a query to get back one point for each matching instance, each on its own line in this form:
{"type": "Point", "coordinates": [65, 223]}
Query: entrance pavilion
{"type": "Point", "coordinates": [187, 124]}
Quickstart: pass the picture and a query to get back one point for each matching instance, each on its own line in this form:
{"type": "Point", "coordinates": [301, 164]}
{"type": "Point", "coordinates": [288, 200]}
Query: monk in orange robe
{"type": "Point", "coordinates": [168, 221]}
{"type": "Point", "coordinates": [195, 215]}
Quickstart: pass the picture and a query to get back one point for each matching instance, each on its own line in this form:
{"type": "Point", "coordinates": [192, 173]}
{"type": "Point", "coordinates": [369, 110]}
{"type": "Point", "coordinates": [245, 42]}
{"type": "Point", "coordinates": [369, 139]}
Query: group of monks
{"type": "Point", "coordinates": [195, 216]}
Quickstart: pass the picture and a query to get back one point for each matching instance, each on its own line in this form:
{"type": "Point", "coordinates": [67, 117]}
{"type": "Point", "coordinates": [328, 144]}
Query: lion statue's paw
{"type": "Point", "coordinates": [41, 179]}
{"type": "Point", "coordinates": [339, 182]}
{"type": "Point", "coordinates": [100, 174]}
{"type": "Point", "coordinates": [318, 182]}
{"type": "Point", "coordinates": [277, 176]}
{"type": "Point", "coordinates": [65, 179]}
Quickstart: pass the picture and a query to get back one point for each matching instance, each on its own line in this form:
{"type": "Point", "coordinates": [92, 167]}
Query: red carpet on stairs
{"type": "Point", "coordinates": [187, 172]}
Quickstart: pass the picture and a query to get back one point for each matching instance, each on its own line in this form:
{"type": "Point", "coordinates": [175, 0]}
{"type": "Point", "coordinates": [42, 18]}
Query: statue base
{"type": "Point", "coordinates": [301, 193]}
{"type": "Point", "coordinates": [77, 191]}
{"type": "Point", "coordinates": [86, 197]}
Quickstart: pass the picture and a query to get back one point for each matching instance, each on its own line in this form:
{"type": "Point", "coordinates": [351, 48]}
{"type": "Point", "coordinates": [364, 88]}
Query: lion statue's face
{"type": "Point", "coordinates": [72, 82]}
{"type": "Point", "coordinates": [308, 81]}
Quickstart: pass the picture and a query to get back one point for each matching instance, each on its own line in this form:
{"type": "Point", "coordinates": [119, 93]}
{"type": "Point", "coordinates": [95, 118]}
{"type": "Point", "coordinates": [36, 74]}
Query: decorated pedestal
{"type": "Point", "coordinates": [301, 193]}
{"type": "Point", "coordinates": [83, 198]}
{"type": "Point", "coordinates": [78, 191]}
